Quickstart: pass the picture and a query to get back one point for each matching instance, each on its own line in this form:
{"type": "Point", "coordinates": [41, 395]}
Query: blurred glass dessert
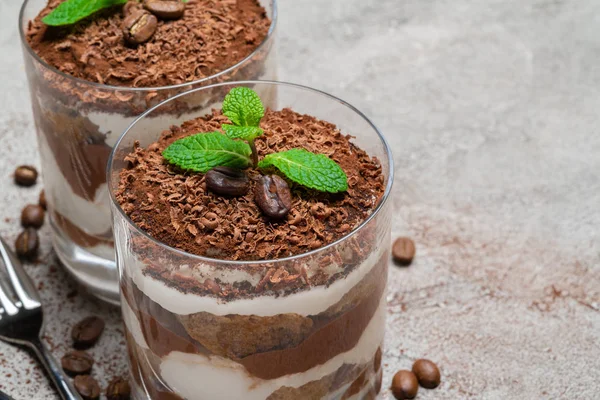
{"type": "Point", "coordinates": [90, 78]}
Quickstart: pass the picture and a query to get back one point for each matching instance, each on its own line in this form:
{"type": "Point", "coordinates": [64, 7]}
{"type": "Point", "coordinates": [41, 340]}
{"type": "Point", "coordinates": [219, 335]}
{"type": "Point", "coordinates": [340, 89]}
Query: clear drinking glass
{"type": "Point", "coordinates": [320, 342]}
{"type": "Point", "coordinates": [77, 124]}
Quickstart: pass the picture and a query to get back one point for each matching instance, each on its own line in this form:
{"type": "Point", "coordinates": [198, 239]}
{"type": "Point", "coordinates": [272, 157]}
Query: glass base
{"type": "Point", "coordinates": [97, 275]}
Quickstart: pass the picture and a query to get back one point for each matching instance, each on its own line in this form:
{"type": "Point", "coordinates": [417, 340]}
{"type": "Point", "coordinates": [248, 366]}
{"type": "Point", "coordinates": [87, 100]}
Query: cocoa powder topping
{"type": "Point", "coordinates": [176, 208]}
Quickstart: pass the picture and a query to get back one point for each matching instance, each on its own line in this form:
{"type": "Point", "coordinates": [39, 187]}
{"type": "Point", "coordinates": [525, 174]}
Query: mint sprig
{"type": "Point", "coordinates": [244, 109]}
{"type": "Point", "coordinates": [71, 11]}
{"type": "Point", "coordinates": [204, 151]}
{"type": "Point", "coordinates": [247, 133]}
{"type": "Point", "coordinates": [315, 171]}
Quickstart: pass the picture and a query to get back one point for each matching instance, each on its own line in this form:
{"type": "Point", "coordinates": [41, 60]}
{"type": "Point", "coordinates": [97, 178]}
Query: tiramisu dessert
{"type": "Point", "coordinates": [93, 66]}
{"type": "Point", "coordinates": [253, 247]}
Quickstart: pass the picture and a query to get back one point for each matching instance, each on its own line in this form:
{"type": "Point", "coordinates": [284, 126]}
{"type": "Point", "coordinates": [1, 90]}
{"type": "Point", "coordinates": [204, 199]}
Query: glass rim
{"type": "Point", "coordinates": [96, 85]}
{"type": "Point", "coordinates": [205, 259]}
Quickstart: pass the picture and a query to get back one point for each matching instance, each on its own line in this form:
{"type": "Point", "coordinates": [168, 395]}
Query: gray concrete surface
{"type": "Point", "coordinates": [493, 109]}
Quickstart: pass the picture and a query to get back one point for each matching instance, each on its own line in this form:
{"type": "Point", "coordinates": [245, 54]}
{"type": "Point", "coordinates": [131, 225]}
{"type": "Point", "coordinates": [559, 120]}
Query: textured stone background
{"type": "Point", "coordinates": [492, 108]}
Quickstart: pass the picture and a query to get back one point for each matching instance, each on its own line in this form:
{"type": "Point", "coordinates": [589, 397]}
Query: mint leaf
{"type": "Point", "coordinates": [247, 133]}
{"type": "Point", "coordinates": [243, 107]}
{"type": "Point", "coordinates": [315, 171]}
{"type": "Point", "coordinates": [204, 151]}
{"type": "Point", "coordinates": [72, 11]}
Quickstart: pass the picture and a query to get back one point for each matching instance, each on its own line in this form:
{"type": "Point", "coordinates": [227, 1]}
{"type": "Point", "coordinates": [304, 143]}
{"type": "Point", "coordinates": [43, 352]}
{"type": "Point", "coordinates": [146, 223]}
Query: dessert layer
{"type": "Point", "coordinates": [350, 382]}
{"type": "Point", "coordinates": [175, 208]}
{"type": "Point", "coordinates": [304, 303]}
{"type": "Point", "coordinates": [76, 191]}
{"type": "Point", "coordinates": [181, 370]}
{"type": "Point", "coordinates": [75, 158]}
{"type": "Point", "coordinates": [254, 340]}
{"type": "Point", "coordinates": [267, 346]}
{"type": "Point", "coordinates": [210, 37]}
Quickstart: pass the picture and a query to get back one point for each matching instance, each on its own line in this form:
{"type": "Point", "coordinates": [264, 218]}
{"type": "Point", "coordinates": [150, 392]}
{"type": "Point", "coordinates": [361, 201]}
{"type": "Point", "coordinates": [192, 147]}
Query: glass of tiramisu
{"type": "Point", "coordinates": [93, 70]}
{"type": "Point", "coordinates": [252, 243]}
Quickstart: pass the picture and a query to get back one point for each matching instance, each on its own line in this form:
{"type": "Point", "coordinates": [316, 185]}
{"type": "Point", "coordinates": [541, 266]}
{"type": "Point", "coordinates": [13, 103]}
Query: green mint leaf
{"type": "Point", "coordinates": [204, 151]}
{"type": "Point", "coordinates": [315, 171]}
{"type": "Point", "coordinates": [72, 11]}
{"type": "Point", "coordinates": [247, 133]}
{"type": "Point", "coordinates": [243, 107]}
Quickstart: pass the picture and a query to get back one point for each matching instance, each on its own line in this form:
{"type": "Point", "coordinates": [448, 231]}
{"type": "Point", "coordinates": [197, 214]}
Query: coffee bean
{"type": "Point", "coordinates": [165, 9]}
{"type": "Point", "coordinates": [403, 250]}
{"type": "Point", "coordinates": [25, 175]}
{"type": "Point", "coordinates": [42, 200]}
{"type": "Point", "coordinates": [273, 196]}
{"type": "Point", "coordinates": [27, 244]}
{"type": "Point", "coordinates": [118, 389]}
{"type": "Point", "coordinates": [87, 331]}
{"type": "Point", "coordinates": [139, 26]}
{"type": "Point", "coordinates": [32, 216]}
{"type": "Point", "coordinates": [87, 387]}
{"type": "Point", "coordinates": [404, 385]}
{"type": "Point", "coordinates": [77, 363]}
{"type": "Point", "coordinates": [227, 181]}
{"type": "Point", "coordinates": [427, 373]}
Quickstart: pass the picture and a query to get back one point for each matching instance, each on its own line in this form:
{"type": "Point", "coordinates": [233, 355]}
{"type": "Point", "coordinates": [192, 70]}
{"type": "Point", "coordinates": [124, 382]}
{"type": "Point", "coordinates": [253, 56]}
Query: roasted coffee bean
{"type": "Point", "coordinates": [87, 387]}
{"type": "Point", "coordinates": [42, 200]}
{"type": "Point", "coordinates": [403, 251]}
{"type": "Point", "coordinates": [118, 389]}
{"type": "Point", "coordinates": [25, 175]}
{"type": "Point", "coordinates": [273, 196]}
{"type": "Point", "coordinates": [77, 363]}
{"type": "Point", "coordinates": [404, 385]}
{"type": "Point", "coordinates": [139, 26]}
{"type": "Point", "coordinates": [227, 181]}
{"type": "Point", "coordinates": [27, 244]}
{"type": "Point", "coordinates": [165, 9]}
{"type": "Point", "coordinates": [87, 331]}
{"type": "Point", "coordinates": [32, 216]}
{"type": "Point", "coordinates": [427, 373]}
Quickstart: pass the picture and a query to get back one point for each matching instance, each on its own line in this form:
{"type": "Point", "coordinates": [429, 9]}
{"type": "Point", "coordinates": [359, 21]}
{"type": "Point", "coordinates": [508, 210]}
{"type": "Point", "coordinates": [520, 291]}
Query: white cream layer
{"type": "Point", "coordinates": [305, 303]}
{"type": "Point", "coordinates": [198, 377]}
